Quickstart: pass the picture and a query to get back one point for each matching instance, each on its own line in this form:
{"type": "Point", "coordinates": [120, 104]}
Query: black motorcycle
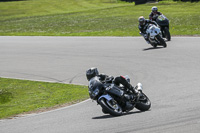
{"type": "Point", "coordinates": [112, 100]}
{"type": "Point", "coordinates": [163, 22]}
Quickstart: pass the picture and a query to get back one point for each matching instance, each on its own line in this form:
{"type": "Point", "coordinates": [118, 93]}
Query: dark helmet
{"type": "Point", "coordinates": [92, 72]}
{"type": "Point", "coordinates": [141, 20]}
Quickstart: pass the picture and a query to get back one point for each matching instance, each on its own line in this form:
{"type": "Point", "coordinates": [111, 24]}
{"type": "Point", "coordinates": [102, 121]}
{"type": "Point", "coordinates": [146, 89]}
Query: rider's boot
{"type": "Point", "coordinates": [131, 88]}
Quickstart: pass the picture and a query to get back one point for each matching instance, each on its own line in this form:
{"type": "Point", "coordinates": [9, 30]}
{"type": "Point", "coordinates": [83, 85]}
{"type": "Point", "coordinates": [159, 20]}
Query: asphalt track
{"type": "Point", "coordinates": [170, 76]}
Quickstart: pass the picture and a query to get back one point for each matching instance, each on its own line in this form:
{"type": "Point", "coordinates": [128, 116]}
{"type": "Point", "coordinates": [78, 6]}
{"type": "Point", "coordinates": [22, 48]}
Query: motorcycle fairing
{"type": "Point", "coordinates": [107, 96]}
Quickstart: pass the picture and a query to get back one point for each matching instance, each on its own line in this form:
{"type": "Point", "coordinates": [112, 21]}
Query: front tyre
{"type": "Point", "coordinates": [144, 103]}
{"type": "Point", "coordinates": [110, 107]}
{"type": "Point", "coordinates": [161, 40]}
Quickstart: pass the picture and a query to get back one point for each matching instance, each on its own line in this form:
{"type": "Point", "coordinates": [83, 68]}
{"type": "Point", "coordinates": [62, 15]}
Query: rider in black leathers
{"type": "Point", "coordinates": [154, 14]}
{"type": "Point", "coordinates": [92, 72]}
{"type": "Point", "coordinates": [143, 25]}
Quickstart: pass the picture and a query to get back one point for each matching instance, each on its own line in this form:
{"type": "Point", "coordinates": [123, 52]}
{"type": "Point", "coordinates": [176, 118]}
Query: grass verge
{"type": "Point", "coordinates": [20, 96]}
{"type": "Point", "coordinates": [92, 17]}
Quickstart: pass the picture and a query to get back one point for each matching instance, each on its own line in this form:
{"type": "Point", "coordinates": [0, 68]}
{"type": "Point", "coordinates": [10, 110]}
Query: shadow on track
{"type": "Point", "coordinates": [110, 116]}
{"type": "Point", "coordinates": [152, 48]}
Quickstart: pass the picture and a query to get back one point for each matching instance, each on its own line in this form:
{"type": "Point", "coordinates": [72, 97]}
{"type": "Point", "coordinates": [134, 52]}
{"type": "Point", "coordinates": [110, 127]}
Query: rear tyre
{"type": "Point", "coordinates": [144, 103]}
{"type": "Point", "coordinates": [167, 34]}
{"type": "Point", "coordinates": [110, 107]}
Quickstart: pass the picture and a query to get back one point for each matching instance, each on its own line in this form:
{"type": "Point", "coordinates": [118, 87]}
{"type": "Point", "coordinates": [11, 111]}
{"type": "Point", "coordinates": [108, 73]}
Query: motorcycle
{"type": "Point", "coordinates": [163, 22]}
{"type": "Point", "coordinates": [154, 36]}
{"type": "Point", "coordinates": [110, 97]}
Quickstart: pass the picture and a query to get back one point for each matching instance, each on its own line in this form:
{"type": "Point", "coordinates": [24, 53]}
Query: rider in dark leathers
{"type": "Point", "coordinates": [92, 72]}
{"type": "Point", "coordinates": [143, 25]}
{"type": "Point", "coordinates": [154, 14]}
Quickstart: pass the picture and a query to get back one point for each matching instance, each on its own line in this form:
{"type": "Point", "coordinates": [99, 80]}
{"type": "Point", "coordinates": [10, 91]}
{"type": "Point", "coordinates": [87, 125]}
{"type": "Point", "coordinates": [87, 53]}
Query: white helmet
{"type": "Point", "coordinates": [141, 20]}
{"type": "Point", "coordinates": [154, 8]}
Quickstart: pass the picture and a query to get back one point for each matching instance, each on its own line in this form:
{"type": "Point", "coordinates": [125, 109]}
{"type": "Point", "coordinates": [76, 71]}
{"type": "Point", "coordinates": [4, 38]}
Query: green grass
{"type": "Point", "coordinates": [19, 96]}
{"type": "Point", "coordinates": [27, 8]}
{"type": "Point", "coordinates": [76, 18]}
{"type": "Point", "coordinates": [92, 17]}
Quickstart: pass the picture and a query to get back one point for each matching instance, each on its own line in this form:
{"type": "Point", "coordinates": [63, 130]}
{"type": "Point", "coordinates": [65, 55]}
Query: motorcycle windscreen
{"type": "Point", "coordinates": [95, 87]}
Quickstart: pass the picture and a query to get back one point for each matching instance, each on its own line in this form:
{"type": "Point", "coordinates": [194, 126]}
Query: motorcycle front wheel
{"type": "Point", "coordinates": [110, 107]}
{"type": "Point", "coordinates": [161, 40]}
{"type": "Point", "coordinates": [144, 103]}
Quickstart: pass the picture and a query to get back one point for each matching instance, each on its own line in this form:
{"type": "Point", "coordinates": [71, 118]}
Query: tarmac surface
{"type": "Point", "coordinates": [170, 77]}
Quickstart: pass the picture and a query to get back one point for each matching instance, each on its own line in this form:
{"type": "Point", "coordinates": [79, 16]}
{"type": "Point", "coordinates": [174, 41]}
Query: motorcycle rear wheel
{"type": "Point", "coordinates": [167, 34]}
{"type": "Point", "coordinates": [144, 103]}
{"type": "Point", "coordinates": [112, 109]}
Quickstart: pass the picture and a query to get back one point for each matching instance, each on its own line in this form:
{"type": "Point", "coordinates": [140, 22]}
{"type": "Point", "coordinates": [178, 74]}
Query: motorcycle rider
{"type": "Point", "coordinates": [143, 25]}
{"type": "Point", "coordinates": [92, 72]}
{"type": "Point", "coordinates": [154, 14]}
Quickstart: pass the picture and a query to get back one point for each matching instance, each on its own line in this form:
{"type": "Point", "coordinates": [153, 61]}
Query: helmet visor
{"type": "Point", "coordinates": [154, 11]}
{"type": "Point", "coordinates": [141, 22]}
